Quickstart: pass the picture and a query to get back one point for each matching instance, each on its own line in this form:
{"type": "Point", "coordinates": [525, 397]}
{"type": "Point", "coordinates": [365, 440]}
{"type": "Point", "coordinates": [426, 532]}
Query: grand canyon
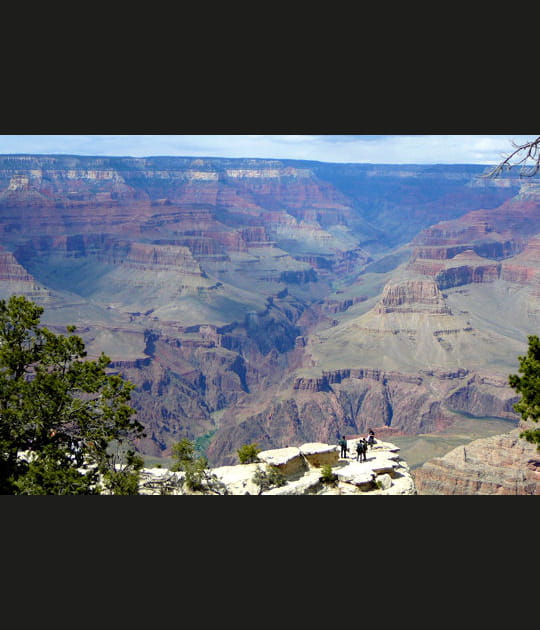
{"type": "Point", "coordinates": [281, 302]}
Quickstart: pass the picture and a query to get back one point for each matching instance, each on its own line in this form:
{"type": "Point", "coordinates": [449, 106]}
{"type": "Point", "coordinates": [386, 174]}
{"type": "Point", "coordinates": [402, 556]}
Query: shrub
{"type": "Point", "coordinates": [248, 453]}
{"type": "Point", "coordinates": [327, 476]}
{"type": "Point", "coordinates": [268, 479]}
{"type": "Point", "coordinates": [198, 477]}
{"type": "Point", "coordinates": [183, 453]}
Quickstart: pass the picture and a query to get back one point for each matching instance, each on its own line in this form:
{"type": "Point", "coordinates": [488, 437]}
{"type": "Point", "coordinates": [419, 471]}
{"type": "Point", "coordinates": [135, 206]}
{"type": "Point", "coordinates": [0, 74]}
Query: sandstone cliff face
{"type": "Point", "coordinates": [500, 465]}
{"type": "Point", "coordinates": [15, 279]}
{"type": "Point", "coordinates": [412, 296]}
{"type": "Point", "coordinates": [524, 268]}
{"type": "Point", "coordinates": [10, 268]}
{"type": "Point", "coordinates": [482, 246]}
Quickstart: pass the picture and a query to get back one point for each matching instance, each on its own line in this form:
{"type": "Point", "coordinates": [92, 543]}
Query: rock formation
{"type": "Point", "coordinates": [482, 246]}
{"type": "Point", "coordinates": [501, 465]}
{"type": "Point", "coordinates": [383, 473]}
{"type": "Point", "coordinates": [15, 279]}
{"type": "Point", "coordinates": [412, 296]}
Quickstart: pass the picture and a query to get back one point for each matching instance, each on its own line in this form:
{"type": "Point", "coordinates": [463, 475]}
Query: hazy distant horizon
{"type": "Point", "coordinates": [346, 149]}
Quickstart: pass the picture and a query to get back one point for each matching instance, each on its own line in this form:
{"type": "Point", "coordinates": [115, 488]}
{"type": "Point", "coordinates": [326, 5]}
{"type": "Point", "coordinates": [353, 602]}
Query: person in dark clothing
{"type": "Point", "coordinates": [343, 445]}
{"type": "Point", "coordinates": [371, 438]}
{"type": "Point", "coordinates": [361, 448]}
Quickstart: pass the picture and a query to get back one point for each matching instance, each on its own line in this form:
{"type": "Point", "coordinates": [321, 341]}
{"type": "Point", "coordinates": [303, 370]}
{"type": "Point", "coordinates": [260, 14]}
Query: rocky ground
{"type": "Point", "coordinates": [383, 473]}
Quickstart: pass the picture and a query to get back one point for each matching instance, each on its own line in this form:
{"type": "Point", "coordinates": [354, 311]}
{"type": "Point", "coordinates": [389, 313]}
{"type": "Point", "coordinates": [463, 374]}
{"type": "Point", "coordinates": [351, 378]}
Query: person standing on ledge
{"type": "Point", "coordinates": [343, 445]}
{"type": "Point", "coordinates": [361, 448]}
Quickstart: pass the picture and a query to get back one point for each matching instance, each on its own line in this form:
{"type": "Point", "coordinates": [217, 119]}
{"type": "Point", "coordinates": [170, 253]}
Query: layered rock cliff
{"type": "Point", "coordinates": [482, 246]}
{"type": "Point", "coordinates": [499, 465]}
{"type": "Point", "coordinates": [15, 279]}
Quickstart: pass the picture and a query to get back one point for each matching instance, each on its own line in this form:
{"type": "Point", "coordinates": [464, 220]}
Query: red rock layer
{"type": "Point", "coordinates": [524, 268]}
{"type": "Point", "coordinates": [501, 465]}
{"type": "Point", "coordinates": [482, 246]}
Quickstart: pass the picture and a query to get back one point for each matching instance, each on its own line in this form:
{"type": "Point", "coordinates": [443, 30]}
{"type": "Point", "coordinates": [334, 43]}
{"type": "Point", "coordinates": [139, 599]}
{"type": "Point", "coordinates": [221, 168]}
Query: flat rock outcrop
{"type": "Point", "coordinates": [500, 465]}
{"type": "Point", "coordinates": [383, 473]}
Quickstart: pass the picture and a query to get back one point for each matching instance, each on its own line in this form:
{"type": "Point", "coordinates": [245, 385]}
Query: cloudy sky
{"type": "Point", "coordinates": [382, 149]}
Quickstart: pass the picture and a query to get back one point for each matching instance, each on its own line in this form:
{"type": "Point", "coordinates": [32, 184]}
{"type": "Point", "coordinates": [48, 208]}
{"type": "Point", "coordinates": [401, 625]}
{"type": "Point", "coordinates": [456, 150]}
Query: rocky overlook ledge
{"type": "Point", "coordinates": [383, 473]}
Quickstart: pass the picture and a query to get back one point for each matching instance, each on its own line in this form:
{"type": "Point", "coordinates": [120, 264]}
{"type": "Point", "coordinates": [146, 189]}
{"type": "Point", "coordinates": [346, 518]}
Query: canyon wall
{"type": "Point", "coordinates": [274, 300]}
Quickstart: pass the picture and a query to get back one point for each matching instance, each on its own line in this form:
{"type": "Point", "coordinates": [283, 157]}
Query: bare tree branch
{"type": "Point", "coordinates": [525, 155]}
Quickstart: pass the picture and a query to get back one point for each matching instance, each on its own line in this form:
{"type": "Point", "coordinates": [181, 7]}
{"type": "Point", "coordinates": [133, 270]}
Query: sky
{"type": "Point", "coordinates": [350, 148]}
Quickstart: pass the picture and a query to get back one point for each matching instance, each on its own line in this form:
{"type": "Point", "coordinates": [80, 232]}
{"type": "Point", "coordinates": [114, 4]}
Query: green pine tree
{"type": "Point", "coordinates": [66, 426]}
{"type": "Point", "coordinates": [528, 385]}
